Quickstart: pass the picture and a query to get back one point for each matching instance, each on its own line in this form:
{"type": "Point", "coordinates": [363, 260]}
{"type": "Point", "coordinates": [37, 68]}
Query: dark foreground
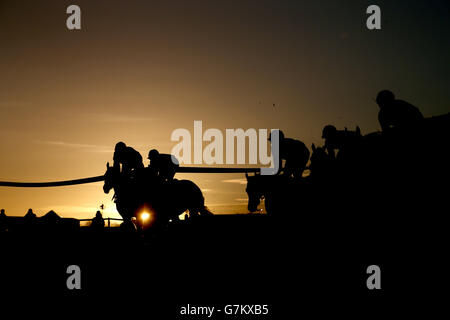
{"type": "Point", "coordinates": [293, 266]}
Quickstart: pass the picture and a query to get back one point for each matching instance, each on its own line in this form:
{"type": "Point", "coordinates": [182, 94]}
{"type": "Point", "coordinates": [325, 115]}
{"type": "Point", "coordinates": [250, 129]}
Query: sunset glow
{"type": "Point", "coordinates": [138, 70]}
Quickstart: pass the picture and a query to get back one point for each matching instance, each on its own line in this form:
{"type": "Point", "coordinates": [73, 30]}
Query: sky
{"type": "Point", "coordinates": [138, 70]}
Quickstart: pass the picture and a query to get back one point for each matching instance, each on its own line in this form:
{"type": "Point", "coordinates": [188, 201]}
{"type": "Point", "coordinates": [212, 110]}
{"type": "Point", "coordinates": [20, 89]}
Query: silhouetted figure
{"type": "Point", "coordinates": [98, 223]}
{"type": "Point", "coordinates": [164, 165]}
{"type": "Point", "coordinates": [30, 215]}
{"type": "Point", "coordinates": [395, 112]}
{"type": "Point", "coordinates": [168, 200]}
{"type": "Point", "coordinates": [322, 164]}
{"type": "Point", "coordinates": [339, 139]}
{"type": "Point", "coordinates": [126, 156]}
{"type": "Point", "coordinates": [295, 154]}
{"type": "Point", "coordinates": [3, 223]}
{"type": "Point", "coordinates": [281, 194]}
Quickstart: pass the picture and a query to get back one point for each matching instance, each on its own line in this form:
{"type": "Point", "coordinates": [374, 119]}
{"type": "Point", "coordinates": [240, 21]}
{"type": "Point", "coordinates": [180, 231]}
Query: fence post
{"type": "Point", "coordinates": [109, 224]}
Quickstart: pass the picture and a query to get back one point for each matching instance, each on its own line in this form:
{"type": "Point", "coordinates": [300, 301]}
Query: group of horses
{"type": "Point", "coordinates": [381, 171]}
{"type": "Point", "coordinates": [143, 191]}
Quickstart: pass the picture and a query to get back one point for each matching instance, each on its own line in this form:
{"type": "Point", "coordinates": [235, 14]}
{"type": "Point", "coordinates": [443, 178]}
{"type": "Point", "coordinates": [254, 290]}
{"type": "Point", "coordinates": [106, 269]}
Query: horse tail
{"type": "Point", "coordinates": [205, 211]}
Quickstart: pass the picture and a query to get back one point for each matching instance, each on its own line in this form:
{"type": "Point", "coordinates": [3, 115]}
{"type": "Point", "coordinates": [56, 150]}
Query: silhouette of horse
{"type": "Point", "coordinates": [278, 192]}
{"type": "Point", "coordinates": [141, 192]}
{"type": "Point", "coordinates": [322, 164]}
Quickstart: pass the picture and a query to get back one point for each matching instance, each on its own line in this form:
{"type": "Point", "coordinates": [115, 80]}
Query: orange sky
{"type": "Point", "coordinates": [140, 69]}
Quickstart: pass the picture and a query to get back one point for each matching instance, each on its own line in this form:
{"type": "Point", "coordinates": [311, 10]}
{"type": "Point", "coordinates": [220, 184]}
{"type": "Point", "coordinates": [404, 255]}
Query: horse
{"type": "Point", "coordinates": [322, 164]}
{"type": "Point", "coordinates": [143, 192]}
{"type": "Point", "coordinates": [278, 192]}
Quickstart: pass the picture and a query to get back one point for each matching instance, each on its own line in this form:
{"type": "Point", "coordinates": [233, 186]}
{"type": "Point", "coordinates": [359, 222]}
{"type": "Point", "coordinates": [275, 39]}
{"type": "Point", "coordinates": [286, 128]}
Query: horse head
{"type": "Point", "coordinates": [319, 159]}
{"type": "Point", "coordinates": [254, 191]}
{"type": "Point", "coordinates": [109, 178]}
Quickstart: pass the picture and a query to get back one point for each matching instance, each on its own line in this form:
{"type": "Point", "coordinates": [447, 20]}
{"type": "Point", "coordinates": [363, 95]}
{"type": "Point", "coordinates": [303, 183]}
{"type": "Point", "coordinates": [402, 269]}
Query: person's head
{"type": "Point", "coordinates": [153, 154]}
{"type": "Point", "coordinates": [98, 214]}
{"type": "Point", "coordinates": [120, 147]}
{"type": "Point", "coordinates": [384, 98]}
{"type": "Point", "coordinates": [328, 131]}
{"type": "Point", "coordinates": [280, 136]}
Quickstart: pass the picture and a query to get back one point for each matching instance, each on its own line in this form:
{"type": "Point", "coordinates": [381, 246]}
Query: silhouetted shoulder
{"type": "Point", "coordinates": [294, 143]}
{"type": "Point", "coordinates": [291, 147]}
{"type": "Point", "coordinates": [410, 111]}
{"type": "Point", "coordinates": [398, 113]}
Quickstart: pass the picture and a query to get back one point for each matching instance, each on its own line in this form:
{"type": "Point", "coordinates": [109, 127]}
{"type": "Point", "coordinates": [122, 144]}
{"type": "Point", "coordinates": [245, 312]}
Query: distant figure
{"type": "Point", "coordinates": [3, 224]}
{"type": "Point", "coordinates": [129, 158]}
{"type": "Point", "coordinates": [98, 222]}
{"type": "Point", "coordinates": [395, 112]}
{"type": "Point", "coordinates": [295, 154]}
{"type": "Point", "coordinates": [163, 164]}
{"type": "Point", "coordinates": [339, 139]}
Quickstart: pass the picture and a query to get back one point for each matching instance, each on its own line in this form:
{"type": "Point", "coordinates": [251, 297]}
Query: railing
{"type": "Point", "coordinates": [101, 178]}
{"type": "Point", "coordinates": [109, 220]}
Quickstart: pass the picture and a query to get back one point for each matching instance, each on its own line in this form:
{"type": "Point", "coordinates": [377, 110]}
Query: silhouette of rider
{"type": "Point", "coordinates": [164, 165]}
{"type": "Point", "coordinates": [395, 112]}
{"type": "Point", "coordinates": [126, 156]}
{"type": "Point", "coordinates": [339, 139]}
{"type": "Point", "coordinates": [294, 153]}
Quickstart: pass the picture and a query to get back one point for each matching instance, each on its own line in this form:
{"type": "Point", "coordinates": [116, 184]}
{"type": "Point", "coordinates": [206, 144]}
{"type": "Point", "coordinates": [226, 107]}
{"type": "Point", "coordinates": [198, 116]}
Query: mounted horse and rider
{"type": "Point", "coordinates": [140, 189]}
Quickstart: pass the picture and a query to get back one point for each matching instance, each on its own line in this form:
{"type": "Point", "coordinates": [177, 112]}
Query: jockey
{"type": "Point", "coordinates": [339, 139]}
{"type": "Point", "coordinates": [295, 154]}
{"type": "Point", "coordinates": [164, 165]}
{"type": "Point", "coordinates": [129, 158]}
{"type": "Point", "coordinates": [395, 112]}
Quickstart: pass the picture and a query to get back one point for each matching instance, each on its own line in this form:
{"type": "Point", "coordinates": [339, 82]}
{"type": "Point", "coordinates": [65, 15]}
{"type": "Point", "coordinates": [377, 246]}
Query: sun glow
{"type": "Point", "coordinates": [145, 216]}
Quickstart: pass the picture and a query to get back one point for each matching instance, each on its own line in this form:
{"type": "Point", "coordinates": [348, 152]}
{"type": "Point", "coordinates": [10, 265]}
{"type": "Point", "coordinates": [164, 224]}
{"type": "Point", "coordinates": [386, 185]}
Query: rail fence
{"type": "Point", "coordinates": [101, 178]}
